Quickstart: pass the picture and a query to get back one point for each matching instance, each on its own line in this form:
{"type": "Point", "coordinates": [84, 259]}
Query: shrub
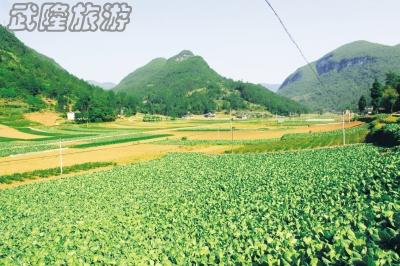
{"type": "Point", "coordinates": [386, 135]}
{"type": "Point", "coordinates": [8, 93]}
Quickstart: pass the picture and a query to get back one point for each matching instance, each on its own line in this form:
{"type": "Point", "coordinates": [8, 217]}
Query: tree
{"type": "Point", "coordinates": [362, 104]}
{"type": "Point", "coordinates": [389, 99]}
{"type": "Point", "coordinates": [392, 79]}
{"type": "Point", "coordinates": [376, 95]}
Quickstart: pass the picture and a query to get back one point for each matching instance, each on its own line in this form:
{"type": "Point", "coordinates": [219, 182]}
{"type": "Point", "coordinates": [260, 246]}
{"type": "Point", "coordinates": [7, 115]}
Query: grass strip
{"type": "Point", "coordinates": [8, 179]}
{"type": "Point", "coordinates": [51, 135]}
{"type": "Point", "coordinates": [119, 141]}
{"type": "Point", "coordinates": [304, 141]}
{"type": "Point", "coordinates": [4, 139]}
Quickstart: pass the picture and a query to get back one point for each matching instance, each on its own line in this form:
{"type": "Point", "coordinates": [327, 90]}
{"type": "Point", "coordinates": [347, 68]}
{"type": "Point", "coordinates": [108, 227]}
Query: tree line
{"type": "Point", "coordinates": [385, 97]}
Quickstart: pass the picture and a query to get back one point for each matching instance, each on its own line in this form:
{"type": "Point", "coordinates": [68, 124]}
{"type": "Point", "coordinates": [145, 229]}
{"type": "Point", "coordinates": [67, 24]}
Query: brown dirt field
{"type": "Point", "coordinates": [45, 118]}
{"type": "Point", "coordinates": [9, 132]}
{"type": "Point", "coordinates": [121, 154]}
{"type": "Point", "coordinates": [126, 153]}
{"type": "Point", "coordinates": [256, 134]}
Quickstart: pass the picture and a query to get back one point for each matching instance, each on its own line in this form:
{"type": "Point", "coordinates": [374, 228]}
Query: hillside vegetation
{"type": "Point", "coordinates": [346, 74]}
{"type": "Point", "coordinates": [186, 83]}
{"type": "Point", "coordinates": [32, 78]}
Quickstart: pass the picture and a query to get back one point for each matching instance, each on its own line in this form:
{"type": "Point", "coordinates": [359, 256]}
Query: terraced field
{"type": "Point", "coordinates": [336, 206]}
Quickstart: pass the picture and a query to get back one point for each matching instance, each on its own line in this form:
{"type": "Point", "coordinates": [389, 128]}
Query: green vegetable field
{"type": "Point", "coordinates": [337, 206]}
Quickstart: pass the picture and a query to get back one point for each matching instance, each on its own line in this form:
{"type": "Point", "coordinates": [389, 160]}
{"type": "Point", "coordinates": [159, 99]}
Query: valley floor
{"type": "Point", "coordinates": [121, 142]}
{"type": "Point", "coordinates": [197, 192]}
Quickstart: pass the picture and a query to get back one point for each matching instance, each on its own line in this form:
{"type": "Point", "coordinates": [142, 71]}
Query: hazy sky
{"type": "Point", "coordinates": [241, 39]}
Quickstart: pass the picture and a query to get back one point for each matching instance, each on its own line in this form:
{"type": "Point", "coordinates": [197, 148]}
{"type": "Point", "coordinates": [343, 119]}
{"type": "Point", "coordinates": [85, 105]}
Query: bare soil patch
{"type": "Point", "coordinates": [45, 118]}
{"type": "Point", "coordinates": [272, 133]}
{"type": "Point", "coordinates": [9, 132]}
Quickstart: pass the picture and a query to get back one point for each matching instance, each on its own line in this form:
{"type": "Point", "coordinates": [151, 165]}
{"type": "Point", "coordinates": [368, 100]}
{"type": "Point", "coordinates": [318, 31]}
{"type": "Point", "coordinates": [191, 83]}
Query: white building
{"type": "Point", "coordinates": [71, 116]}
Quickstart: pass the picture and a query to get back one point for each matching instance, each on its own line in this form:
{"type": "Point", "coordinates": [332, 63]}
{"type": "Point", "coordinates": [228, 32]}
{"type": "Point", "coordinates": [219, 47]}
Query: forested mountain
{"type": "Point", "coordinates": [346, 74]}
{"type": "Point", "coordinates": [31, 77]}
{"type": "Point", "coordinates": [186, 83]}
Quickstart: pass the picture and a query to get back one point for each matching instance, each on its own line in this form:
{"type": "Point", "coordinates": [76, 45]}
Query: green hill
{"type": "Point", "coordinates": [186, 83]}
{"type": "Point", "coordinates": [30, 77]}
{"type": "Point", "coordinates": [346, 74]}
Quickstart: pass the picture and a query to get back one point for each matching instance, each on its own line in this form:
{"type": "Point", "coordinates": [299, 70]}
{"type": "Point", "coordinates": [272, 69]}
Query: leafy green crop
{"type": "Point", "coordinates": [52, 172]}
{"type": "Point", "coordinates": [336, 206]}
{"type": "Point", "coordinates": [17, 147]}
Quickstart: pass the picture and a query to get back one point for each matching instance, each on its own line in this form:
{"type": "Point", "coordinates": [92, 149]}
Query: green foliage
{"type": "Point", "coordinates": [362, 104]}
{"type": "Point", "coordinates": [35, 103]}
{"type": "Point", "coordinates": [386, 97]}
{"type": "Point", "coordinates": [185, 83]}
{"type": "Point", "coordinates": [28, 76]}
{"type": "Point", "coordinates": [152, 118]}
{"type": "Point", "coordinates": [347, 73]}
{"type": "Point", "coordinates": [376, 95]}
{"type": "Point", "coordinates": [14, 148]}
{"type": "Point", "coordinates": [12, 115]}
{"type": "Point", "coordinates": [325, 207]}
{"type": "Point", "coordinates": [389, 99]}
{"type": "Point", "coordinates": [387, 135]}
{"type": "Point", "coordinates": [7, 179]}
{"type": "Point", "coordinates": [275, 104]}
{"type": "Point", "coordinates": [8, 93]}
{"type": "Point", "coordinates": [307, 141]}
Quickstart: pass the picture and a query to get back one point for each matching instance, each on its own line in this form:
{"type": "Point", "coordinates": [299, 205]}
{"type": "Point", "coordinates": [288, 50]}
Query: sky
{"type": "Point", "coordinates": [240, 39]}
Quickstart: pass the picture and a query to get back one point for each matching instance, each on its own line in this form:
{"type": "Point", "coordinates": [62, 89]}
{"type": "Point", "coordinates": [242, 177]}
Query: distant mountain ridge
{"type": "Point", "coordinates": [346, 73]}
{"type": "Point", "coordinates": [104, 85]}
{"type": "Point", "coordinates": [271, 87]}
{"type": "Point", "coordinates": [186, 83]}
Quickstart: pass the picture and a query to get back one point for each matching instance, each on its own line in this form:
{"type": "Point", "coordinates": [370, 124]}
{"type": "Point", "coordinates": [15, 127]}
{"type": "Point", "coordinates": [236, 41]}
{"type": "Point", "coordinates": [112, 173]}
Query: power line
{"type": "Point", "coordinates": [294, 42]}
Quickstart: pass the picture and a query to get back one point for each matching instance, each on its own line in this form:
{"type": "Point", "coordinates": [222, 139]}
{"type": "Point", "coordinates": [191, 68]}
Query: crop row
{"type": "Point", "coordinates": [336, 206]}
{"type": "Point", "coordinates": [45, 173]}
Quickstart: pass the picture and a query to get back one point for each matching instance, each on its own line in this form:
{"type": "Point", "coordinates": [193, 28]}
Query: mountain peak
{"type": "Point", "coordinates": [346, 72]}
{"type": "Point", "coordinates": [182, 56]}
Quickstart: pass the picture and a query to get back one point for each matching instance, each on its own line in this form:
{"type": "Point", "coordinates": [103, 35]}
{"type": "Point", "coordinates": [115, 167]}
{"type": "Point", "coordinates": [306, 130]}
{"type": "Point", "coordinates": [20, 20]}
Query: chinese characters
{"type": "Point", "coordinates": [60, 17]}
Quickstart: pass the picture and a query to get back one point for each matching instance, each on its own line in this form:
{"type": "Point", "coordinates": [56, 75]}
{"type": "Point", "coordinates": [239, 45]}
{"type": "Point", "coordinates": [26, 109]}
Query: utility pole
{"type": "Point", "coordinates": [350, 116]}
{"type": "Point", "coordinates": [61, 158]}
{"type": "Point", "coordinates": [231, 118]}
{"type": "Point", "coordinates": [344, 131]}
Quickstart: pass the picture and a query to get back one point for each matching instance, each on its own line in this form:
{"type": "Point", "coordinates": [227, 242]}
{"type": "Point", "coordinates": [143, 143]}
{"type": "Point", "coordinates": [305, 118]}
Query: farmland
{"type": "Point", "coordinates": [329, 206]}
{"type": "Point", "coordinates": [171, 192]}
{"type": "Point", "coordinates": [131, 140]}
